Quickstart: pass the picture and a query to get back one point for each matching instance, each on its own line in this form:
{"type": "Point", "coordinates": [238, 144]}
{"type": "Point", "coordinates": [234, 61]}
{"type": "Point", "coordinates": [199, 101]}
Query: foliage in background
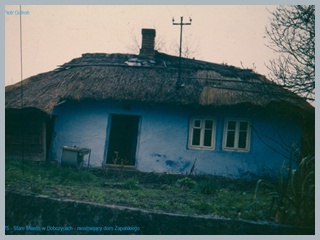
{"type": "Point", "coordinates": [292, 34]}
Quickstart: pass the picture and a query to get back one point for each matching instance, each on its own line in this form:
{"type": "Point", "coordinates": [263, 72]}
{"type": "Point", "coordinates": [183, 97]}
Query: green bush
{"type": "Point", "coordinates": [186, 183]}
{"type": "Point", "coordinates": [131, 184]}
{"type": "Point", "coordinates": [207, 187]}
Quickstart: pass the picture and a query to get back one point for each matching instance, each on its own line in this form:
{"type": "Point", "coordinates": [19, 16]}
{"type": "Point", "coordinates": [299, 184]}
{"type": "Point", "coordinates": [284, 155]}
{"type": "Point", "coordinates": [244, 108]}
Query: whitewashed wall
{"type": "Point", "coordinates": [163, 138]}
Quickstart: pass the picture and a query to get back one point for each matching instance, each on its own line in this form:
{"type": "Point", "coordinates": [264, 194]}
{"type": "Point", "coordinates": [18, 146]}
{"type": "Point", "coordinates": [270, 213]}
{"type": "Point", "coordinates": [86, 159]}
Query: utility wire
{"type": "Point", "coordinates": [21, 96]}
{"type": "Point", "coordinates": [187, 11]}
{"type": "Point", "coordinates": [169, 12]}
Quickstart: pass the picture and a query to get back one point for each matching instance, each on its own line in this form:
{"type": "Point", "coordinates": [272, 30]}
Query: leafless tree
{"type": "Point", "coordinates": [292, 34]}
{"type": "Point", "coordinates": [190, 47]}
{"type": "Point", "coordinates": [134, 47]}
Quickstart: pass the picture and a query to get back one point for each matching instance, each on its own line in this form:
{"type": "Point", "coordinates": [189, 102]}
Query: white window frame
{"type": "Point", "coordinates": [236, 137]}
{"type": "Point", "coordinates": [202, 133]}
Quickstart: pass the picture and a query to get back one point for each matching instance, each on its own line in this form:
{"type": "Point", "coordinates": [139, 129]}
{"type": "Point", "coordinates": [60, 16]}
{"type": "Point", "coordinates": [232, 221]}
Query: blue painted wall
{"type": "Point", "coordinates": [163, 137]}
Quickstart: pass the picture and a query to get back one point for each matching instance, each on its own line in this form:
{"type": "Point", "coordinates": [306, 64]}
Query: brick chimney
{"type": "Point", "coordinates": [147, 48]}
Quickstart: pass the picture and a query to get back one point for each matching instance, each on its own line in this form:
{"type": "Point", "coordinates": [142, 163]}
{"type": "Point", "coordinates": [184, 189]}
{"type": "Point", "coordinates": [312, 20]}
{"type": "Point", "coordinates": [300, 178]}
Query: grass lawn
{"type": "Point", "coordinates": [196, 195]}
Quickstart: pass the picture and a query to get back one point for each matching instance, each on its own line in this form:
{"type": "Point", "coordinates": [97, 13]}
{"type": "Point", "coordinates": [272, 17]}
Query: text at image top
{"type": "Point", "coordinates": [16, 12]}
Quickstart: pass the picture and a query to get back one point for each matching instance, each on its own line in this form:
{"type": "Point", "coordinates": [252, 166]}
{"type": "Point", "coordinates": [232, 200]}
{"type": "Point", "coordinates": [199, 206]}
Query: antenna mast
{"type": "Point", "coordinates": [180, 49]}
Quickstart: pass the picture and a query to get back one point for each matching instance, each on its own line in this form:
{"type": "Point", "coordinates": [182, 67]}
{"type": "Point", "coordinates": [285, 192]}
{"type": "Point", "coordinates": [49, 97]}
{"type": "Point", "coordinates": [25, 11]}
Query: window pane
{"type": "Point", "coordinates": [197, 123]}
{"type": "Point", "coordinates": [208, 124]}
{"type": "Point", "coordinates": [231, 125]}
{"type": "Point", "coordinates": [242, 140]}
{"type": "Point", "coordinates": [243, 126]}
{"type": "Point", "coordinates": [196, 137]}
{"type": "Point", "coordinates": [230, 139]}
{"type": "Point", "coordinates": [207, 138]}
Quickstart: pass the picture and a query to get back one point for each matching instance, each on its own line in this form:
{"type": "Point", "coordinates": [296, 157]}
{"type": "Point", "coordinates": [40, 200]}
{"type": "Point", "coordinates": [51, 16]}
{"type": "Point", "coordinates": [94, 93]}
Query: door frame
{"type": "Point", "coordinates": [107, 140]}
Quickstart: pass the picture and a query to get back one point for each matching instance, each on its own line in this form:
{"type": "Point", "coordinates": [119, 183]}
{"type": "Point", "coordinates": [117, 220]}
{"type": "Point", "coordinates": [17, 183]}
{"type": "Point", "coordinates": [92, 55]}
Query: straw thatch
{"type": "Point", "coordinates": [134, 78]}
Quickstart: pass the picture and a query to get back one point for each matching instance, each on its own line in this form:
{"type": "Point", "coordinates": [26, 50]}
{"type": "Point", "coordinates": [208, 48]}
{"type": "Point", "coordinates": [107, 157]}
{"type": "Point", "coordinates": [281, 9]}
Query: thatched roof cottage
{"type": "Point", "coordinates": [142, 112]}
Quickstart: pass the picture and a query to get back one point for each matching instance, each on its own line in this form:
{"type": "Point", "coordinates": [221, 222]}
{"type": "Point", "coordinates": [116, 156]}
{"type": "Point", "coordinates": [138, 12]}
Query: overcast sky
{"type": "Point", "coordinates": [53, 35]}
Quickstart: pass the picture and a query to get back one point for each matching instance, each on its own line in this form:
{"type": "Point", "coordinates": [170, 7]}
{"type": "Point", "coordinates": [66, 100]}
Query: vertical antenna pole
{"type": "Point", "coordinates": [181, 24]}
{"type": "Point", "coordinates": [180, 49]}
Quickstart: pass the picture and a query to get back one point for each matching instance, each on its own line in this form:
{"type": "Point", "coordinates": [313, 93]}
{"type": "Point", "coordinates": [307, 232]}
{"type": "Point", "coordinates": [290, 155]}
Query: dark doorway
{"type": "Point", "coordinates": [123, 140]}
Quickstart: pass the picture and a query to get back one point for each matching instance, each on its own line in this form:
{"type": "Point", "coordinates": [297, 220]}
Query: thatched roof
{"type": "Point", "coordinates": [117, 77]}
